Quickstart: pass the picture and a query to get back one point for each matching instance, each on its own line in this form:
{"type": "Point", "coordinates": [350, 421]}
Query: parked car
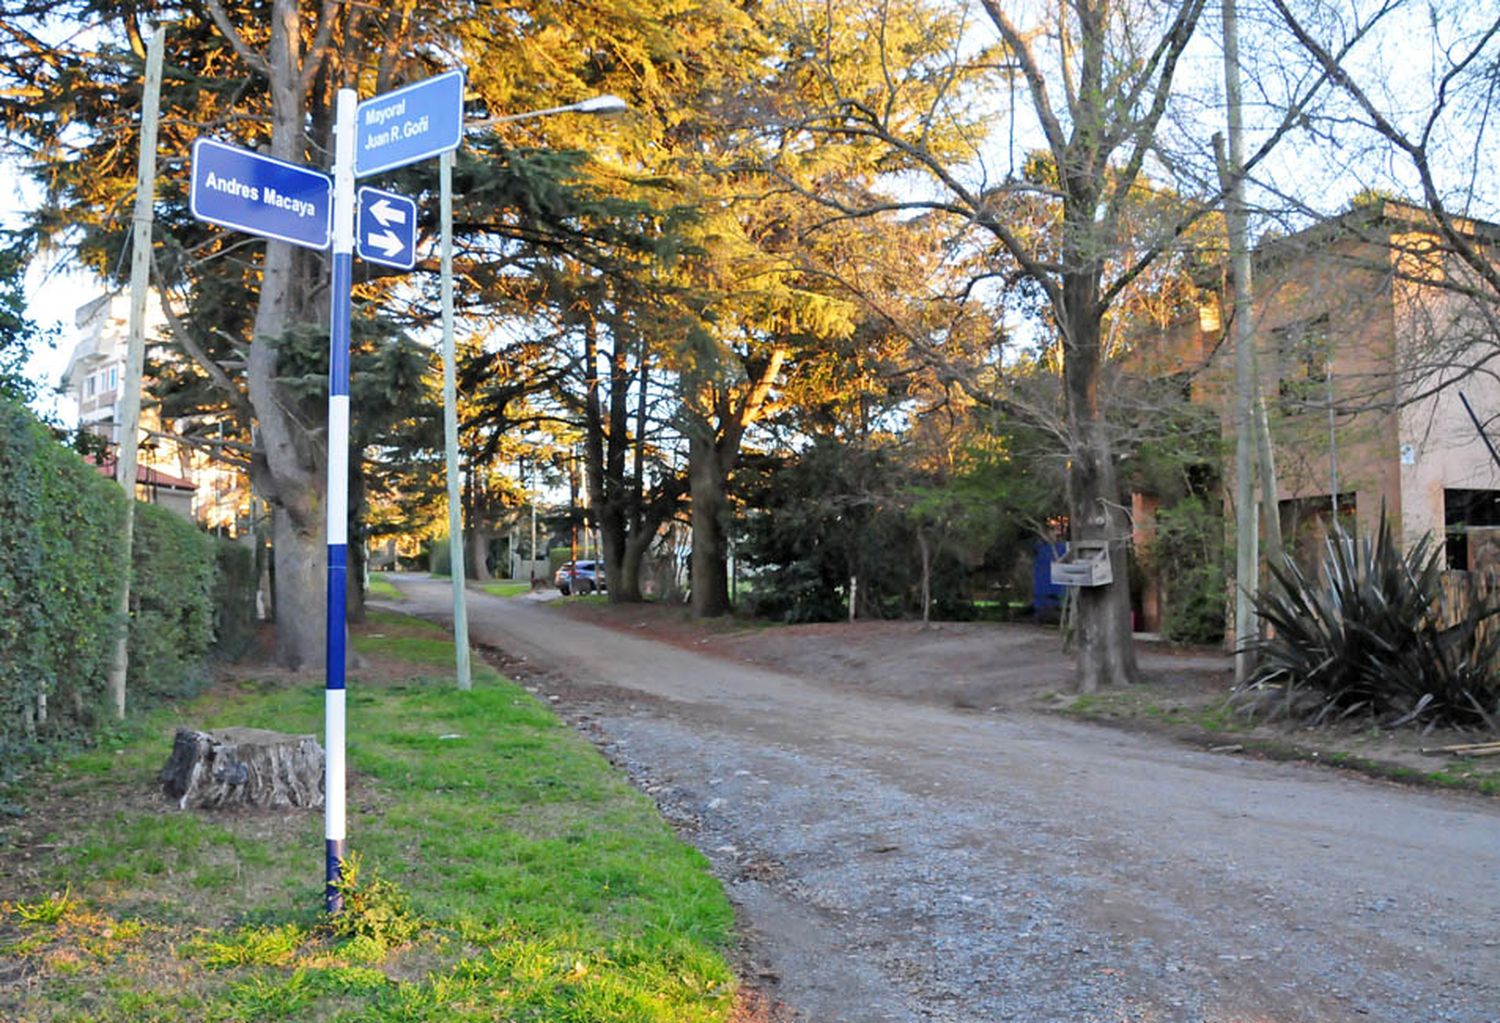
{"type": "Point", "coordinates": [586, 576]}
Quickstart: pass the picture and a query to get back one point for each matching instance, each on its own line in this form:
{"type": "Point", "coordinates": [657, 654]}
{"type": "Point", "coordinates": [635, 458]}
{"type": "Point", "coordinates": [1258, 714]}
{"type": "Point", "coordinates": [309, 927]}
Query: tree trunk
{"type": "Point", "coordinates": [1106, 652]}
{"type": "Point", "coordinates": [301, 604]}
{"type": "Point", "coordinates": [354, 583]}
{"type": "Point", "coordinates": [926, 577]}
{"type": "Point", "coordinates": [710, 513]}
{"type": "Point", "coordinates": [289, 465]}
{"type": "Point", "coordinates": [354, 579]}
{"type": "Point", "coordinates": [478, 542]}
{"type": "Point", "coordinates": [631, 560]}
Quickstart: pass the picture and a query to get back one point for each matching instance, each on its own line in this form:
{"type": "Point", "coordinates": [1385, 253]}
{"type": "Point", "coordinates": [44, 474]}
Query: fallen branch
{"type": "Point", "coordinates": [1466, 749]}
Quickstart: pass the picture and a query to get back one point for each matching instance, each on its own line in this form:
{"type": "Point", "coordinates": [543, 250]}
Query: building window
{"type": "Point", "coordinates": [1306, 527]}
{"type": "Point", "coordinates": [1303, 352]}
{"type": "Point", "coordinates": [90, 385]}
{"type": "Point", "coordinates": [114, 378]}
{"type": "Point", "coordinates": [1464, 510]}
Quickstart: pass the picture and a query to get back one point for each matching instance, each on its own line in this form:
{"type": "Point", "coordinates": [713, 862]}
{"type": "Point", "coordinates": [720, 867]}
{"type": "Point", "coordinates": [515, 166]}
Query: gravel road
{"type": "Point", "coordinates": [893, 861]}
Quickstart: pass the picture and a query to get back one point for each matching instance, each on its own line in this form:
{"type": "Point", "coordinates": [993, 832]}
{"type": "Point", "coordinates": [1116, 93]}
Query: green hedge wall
{"type": "Point", "coordinates": [60, 522]}
{"type": "Point", "coordinates": [234, 598]}
{"type": "Point", "coordinates": [192, 595]}
{"type": "Point", "coordinates": [171, 604]}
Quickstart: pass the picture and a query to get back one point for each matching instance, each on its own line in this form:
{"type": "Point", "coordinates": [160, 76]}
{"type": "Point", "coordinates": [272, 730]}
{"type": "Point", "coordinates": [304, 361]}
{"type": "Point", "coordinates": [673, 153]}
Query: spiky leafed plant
{"type": "Point", "coordinates": [1367, 637]}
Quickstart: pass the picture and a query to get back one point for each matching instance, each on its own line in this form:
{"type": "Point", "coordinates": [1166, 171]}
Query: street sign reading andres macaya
{"type": "Point", "coordinates": [238, 188]}
{"type": "Point", "coordinates": [409, 124]}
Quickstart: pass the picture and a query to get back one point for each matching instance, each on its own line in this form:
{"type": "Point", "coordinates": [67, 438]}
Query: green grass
{"type": "Point", "coordinates": [1215, 722]}
{"type": "Point", "coordinates": [506, 873]}
{"type": "Point", "coordinates": [507, 587]}
{"type": "Point", "coordinates": [384, 589]}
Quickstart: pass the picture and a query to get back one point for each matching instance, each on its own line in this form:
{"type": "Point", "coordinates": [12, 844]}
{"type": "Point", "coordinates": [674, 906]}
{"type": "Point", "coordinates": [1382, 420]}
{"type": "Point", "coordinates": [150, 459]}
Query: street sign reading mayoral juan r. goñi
{"type": "Point", "coordinates": [409, 124]}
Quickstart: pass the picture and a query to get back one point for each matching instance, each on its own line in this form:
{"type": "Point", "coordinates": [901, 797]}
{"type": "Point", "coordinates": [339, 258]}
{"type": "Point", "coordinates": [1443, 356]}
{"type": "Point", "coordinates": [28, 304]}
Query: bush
{"type": "Point", "coordinates": [171, 604]}
{"type": "Point", "coordinates": [59, 583]}
{"type": "Point", "coordinates": [1369, 640]}
{"type": "Point", "coordinates": [234, 598]}
{"type": "Point", "coordinates": [58, 570]}
{"type": "Point", "coordinates": [1188, 556]}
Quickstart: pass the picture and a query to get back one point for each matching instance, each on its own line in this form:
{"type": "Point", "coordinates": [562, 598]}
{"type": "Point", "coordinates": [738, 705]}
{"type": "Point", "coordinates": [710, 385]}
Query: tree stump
{"type": "Point", "coordinates": [243, 767]}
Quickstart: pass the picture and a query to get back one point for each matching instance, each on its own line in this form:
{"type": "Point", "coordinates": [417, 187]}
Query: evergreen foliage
{"type": "Point", "coordinates": [234, 598]}
{"type": "Point", "coordinates": [58, 572]}
{"type": "Point", "coordinates": [18, 333]}
{"type": "Point", "coordinates": [1188, 556]}
{"type": "Point", "coordinates": [837, 510]}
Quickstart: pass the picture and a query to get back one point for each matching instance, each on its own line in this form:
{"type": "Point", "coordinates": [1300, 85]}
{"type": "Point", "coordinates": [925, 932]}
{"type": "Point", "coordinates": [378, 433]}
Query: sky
{"type": "Point", "coordinates": [55, 293]}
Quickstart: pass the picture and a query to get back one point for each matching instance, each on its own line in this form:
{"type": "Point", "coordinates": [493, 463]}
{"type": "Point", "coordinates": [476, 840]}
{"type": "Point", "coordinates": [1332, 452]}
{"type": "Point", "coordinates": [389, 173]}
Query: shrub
{"type": "Point", "coordinates": [234, 598]}
{"type": "Point", "coordinates": [375, 910]}
{"type": "Point", "coordinates": [58, 565]}
{"type": "Point", "coordinates": [1188, 556]}
{"type": "Point", "coordinates": [171, 604]}
{"type": "Point", "coordinates": [59, 582]}
{"type": "Point", "coordinates": [1369, 640]}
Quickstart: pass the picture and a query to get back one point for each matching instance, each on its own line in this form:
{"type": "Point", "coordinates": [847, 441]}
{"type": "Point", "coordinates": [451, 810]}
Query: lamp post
{"type": "Point", "coordinates": [596, 105]}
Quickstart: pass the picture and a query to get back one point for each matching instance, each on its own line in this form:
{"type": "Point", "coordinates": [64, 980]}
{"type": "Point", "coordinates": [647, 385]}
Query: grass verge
{"type": "Point", "coordinates": [507, 587]}
{"type": "Point", "coordinates": [505, 872]}
{"type": "Point", "coordinates": [1207, 720]}
{"type": "Point", "coordinates": [383, 589]}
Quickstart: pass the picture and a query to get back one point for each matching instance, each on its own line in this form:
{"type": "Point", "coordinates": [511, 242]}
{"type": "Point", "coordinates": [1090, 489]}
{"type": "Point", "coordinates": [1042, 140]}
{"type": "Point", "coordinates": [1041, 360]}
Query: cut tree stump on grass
{"type": "Point", "coordinates": [243, 767]}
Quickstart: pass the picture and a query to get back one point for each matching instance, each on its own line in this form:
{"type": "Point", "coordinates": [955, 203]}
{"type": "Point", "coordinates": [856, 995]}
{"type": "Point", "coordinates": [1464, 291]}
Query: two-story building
{"type": "Point", "coordinates": [171, 472]}
{"type": "Point", "coordinates": [1370, 333]}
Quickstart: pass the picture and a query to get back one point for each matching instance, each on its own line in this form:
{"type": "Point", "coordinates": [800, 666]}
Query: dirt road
{"type": "Point", "coordinates": [900, 861]}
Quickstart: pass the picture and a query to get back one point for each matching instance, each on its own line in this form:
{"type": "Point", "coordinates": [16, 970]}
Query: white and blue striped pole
{"type": "Point", "coordinates": [338, 491]}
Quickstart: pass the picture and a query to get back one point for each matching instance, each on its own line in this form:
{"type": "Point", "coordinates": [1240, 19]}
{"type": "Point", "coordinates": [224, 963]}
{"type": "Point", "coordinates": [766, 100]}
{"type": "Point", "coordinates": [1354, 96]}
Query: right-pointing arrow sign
{"type": "Point", "coordinates": [387, 229]}
{"type": "Point", "coordinates": [387, 242]}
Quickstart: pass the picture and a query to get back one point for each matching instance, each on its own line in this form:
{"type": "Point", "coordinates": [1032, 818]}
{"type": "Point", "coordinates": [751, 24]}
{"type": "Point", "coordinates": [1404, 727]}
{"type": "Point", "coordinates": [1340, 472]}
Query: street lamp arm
{"type": "Point", "coordinates": [602, 106]}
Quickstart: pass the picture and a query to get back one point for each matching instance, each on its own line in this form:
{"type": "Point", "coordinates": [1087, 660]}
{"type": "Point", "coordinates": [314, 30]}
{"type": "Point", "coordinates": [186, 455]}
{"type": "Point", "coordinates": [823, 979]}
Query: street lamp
{"type": "Point", "coordinates": [597, 106]}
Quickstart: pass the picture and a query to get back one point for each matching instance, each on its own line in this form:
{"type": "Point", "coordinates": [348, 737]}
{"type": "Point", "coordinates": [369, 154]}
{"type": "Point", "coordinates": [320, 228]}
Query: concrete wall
{"type": "Point", "coordinates": [1440, 447]}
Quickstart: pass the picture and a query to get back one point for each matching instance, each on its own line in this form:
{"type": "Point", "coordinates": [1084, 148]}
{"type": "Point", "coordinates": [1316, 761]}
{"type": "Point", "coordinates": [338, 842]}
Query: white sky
{"type": "Point", "coordinates": [54, 292]}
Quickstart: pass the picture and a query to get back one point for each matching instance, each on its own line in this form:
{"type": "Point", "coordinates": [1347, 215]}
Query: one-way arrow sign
{"type": "Point", "coordinates": [387, 228]}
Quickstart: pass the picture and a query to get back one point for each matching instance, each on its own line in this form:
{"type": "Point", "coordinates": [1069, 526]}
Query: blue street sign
{"type": "Point", "coordinates": [387, 228]}
{"type": "Point", "coordinates": [237, 188]}
{"type": "Point", "coordinates": [409, 124]}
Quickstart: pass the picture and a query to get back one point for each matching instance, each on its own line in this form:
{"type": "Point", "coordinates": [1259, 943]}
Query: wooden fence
{"type": "Point", "coordinates": [1460, 591]}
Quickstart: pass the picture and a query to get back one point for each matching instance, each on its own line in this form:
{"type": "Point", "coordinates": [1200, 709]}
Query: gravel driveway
{"type": "Point", "coordinates": [894, 861]}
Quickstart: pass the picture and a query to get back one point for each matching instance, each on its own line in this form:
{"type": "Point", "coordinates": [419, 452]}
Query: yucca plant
{"type": "Point", "coordinates": [1367, 638]}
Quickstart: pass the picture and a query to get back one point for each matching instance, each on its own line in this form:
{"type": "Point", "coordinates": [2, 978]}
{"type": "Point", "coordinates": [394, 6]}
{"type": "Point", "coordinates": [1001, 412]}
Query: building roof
{"type": "Point", "coordinates": [143, 474]}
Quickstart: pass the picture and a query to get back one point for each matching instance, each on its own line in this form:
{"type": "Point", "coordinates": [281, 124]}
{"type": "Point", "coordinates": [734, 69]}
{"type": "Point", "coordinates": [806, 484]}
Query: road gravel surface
{"type": "Point", "coordinates": [899, 861]}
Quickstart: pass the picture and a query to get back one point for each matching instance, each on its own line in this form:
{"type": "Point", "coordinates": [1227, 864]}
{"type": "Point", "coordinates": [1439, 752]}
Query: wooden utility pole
{"type": "Point", "coordinates": [135, 352]}
{"type": "Point", "coordinates": [1246, 553]}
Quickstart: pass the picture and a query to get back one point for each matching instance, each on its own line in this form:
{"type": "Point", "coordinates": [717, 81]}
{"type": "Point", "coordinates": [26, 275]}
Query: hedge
{"type": "Point", "coordinates": [171, 604]}
{"type": "Point", "coordinates": [58, 568]}
{"type": "Point", "coordinates": [59, 579]}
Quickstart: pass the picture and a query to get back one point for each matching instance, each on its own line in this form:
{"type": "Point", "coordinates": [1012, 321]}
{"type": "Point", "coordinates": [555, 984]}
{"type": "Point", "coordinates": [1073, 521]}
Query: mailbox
{"type": "Point", "coordinates": [1085, 564]}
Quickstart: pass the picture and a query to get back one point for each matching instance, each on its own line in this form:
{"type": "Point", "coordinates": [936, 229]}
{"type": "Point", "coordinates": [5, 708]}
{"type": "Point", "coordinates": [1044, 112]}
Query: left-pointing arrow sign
{"type": "Point", "coordinates": [386, 213]}
{"type": "Point", "coordinates": [387, 228]}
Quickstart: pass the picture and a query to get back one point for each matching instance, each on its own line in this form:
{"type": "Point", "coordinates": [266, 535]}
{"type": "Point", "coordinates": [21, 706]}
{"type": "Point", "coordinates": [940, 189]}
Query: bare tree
{"type": "Point", "coordinates": [1078, 226]}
